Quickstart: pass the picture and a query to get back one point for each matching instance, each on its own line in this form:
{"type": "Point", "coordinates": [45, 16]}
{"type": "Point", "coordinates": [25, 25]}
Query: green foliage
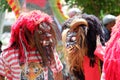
{"type": "Point", "coordinates": [4, 5]}
{"type": "Point", "coordinates": [98, 7]}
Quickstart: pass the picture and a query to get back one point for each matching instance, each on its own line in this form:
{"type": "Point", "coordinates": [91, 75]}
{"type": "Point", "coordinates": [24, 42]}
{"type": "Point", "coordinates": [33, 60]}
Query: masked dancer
{"type": "Point", "coordinates": [31, 50]}
{"type": "Point", "coordinates": [79, 38]}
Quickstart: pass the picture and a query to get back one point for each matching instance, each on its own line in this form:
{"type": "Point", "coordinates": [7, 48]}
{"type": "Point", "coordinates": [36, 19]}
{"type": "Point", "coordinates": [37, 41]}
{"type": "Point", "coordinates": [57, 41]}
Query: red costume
{"type": "Point", "coordinates": [111, 55]}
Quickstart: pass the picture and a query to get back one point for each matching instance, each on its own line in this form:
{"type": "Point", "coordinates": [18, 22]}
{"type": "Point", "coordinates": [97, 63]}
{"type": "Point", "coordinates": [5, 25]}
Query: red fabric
{"type": "Point", "coordinates": [40, 3]}
{"type": "Point", "coordinates": [91, 73]}
{"type": "Point", "coordinates": [111, 66]}
{"type": "Point", "coordinates": [100, 51]}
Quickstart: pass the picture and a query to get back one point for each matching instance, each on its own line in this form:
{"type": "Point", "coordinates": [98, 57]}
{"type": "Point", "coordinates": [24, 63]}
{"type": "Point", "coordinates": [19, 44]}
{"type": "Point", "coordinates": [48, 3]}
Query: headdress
{"type": "Point", "coordinates": [74, 11]}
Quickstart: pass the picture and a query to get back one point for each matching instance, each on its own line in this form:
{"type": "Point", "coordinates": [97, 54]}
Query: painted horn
{"type": "Point", "coordinates": [77, 22]}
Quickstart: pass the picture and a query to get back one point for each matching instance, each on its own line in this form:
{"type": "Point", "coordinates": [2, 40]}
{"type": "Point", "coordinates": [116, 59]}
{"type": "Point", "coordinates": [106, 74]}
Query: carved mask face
{"type": "Point", "coordinates": [75, 39]}
{"type": "Point", "coordinates": [44, 31]}
{"type": "Point", "coordinates": [71, 39]}
{"type": "Point", "coordinates": [44, 39]}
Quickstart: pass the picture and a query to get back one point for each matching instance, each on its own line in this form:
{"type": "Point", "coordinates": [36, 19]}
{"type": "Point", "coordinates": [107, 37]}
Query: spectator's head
{"type": "Point", "coordinates": [109, 21]}
{"type": "Point", "coordinates": [74, 11]}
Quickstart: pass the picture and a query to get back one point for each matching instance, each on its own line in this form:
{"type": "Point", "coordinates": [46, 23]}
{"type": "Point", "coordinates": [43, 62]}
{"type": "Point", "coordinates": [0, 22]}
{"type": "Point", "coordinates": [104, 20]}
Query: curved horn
{"type": "Point", "coordinates": [77, 22]}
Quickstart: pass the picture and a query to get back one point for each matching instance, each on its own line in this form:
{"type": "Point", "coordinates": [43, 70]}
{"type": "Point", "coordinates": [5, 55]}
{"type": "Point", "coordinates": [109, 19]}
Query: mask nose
{"type": "Point", "coordinates": [47, 42]}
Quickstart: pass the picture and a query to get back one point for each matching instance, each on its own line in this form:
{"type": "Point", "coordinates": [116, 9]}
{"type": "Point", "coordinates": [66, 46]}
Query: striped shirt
{"type": "Point", "coordinates": [11, 68]}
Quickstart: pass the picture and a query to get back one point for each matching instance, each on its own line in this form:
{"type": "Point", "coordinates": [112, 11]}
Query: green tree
{"type": "Point", "coordinates": [4, 5]}
{"type": "Point", "coordinates": [98, 7]}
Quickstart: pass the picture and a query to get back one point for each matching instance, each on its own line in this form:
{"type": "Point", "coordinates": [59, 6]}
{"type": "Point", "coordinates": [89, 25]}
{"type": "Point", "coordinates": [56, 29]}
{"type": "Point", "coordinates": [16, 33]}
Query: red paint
{"type": "Point", "coordinates": [40, 3]}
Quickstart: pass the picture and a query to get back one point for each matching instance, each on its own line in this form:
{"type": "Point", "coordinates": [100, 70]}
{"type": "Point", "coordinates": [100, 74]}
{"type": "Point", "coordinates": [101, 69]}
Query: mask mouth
{"type": "Point", "coordinates": [47, 42]}
{"type": "Point", "coordinates": [48, 47]}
